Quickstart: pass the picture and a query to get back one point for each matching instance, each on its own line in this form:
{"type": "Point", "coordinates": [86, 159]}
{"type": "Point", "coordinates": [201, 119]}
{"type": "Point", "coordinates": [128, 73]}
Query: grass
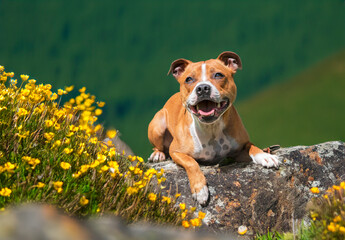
{"type": "Point", "coordinates": [51, 154]}
{"type": "Point", "coordinates": [305, 110]}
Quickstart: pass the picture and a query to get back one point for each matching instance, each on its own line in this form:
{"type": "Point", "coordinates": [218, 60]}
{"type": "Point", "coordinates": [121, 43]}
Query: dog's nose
{"type": "Point", "coordinates": [203, 90]}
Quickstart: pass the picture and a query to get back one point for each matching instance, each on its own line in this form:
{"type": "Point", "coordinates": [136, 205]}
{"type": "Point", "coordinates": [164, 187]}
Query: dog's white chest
{"type": "Point", "coordinates": [211, 142]}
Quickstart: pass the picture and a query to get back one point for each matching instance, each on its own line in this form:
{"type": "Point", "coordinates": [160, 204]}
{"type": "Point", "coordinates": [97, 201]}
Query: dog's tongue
{"type": "Point", "coordinates": [206, 108]}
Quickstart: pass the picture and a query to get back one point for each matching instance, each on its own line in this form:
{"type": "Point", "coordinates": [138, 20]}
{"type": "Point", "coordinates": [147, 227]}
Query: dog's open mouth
{"type": "Point", "coordinates": [208, 110]}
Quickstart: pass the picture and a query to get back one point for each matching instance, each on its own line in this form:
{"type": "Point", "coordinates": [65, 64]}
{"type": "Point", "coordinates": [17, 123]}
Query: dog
{"type": "Point", "coordinates": [200, 124]}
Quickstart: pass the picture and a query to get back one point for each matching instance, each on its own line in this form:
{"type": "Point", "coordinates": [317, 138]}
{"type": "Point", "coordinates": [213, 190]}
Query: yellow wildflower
{"type": "Point", "coordinates": [111, 133]}
{"type": "Point", "coordinates": [24, 77]}
{"type": "Point", "coordinates": [337, 219]}
{"type": "Point", "coordinates": [185, 224]}
{"type": "Point", "coordinates": [94, 164]}
{"type": "Point", "coordinates": [177, 195]}
{"type": "Point", "coordinates": [98, 112]}
{"type": "Point", "coordinates": [82, 89]}
{"type": "Point", "coordinates": [5, 192]}
{"type": "Point", "coordinates": [184, 214]}
{"type": "Point", "coordinates": [49, 123]}
{"type": "Point", "coordinates": [40, 185]}
{"type": "Point", "coordinates": [104, 168]}
{"type": "Point", "coordinates": [342, 229]}
{"type": "Point", "coordinates": [49, 136]}
{"type": "Point", "coordinates": [68, 150]}
{"type": "Point", "coordinates": [2, 68]}
{"type": "Point", "coordinates": [58, 186]}
{"type": "Point", "coordinates": [84, 168]}
{"type": "Point", "coordinates": [201, 215]}
{"type": "Point", "coordinates": [331, 227]}
{"type": "Point", "coordinates": [83, 201]}
{"type": "Point", "coordinates": [335, 187]}
{"type": "Point", "coordinates": [131, 190]}
{"type": "Point", "coordinates": [315, 190]}
{"type": "Point", "coordinates": [152, 197]}
{"type": "Point", "coordinates": [100, 104]}
{"type": "Point", "coordinates": [65, 165]}
{"type": "Point", "coordinates": [9, 166]}
{"type": "Point", "coordinates": [93, 140]}
{"type": "Point", "coordinates": [69, 89]}
{"type": "Point", "coordinates": [166, 199]}
{"type": "Point", "coordinates": [22, 112]}
{"type": "Point", "coordinates": [196, 222]}
{"type": "Point", "coordinates": [182, 206]}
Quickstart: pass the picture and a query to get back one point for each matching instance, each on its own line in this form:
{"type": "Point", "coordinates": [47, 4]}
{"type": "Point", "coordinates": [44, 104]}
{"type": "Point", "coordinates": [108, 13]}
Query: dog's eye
{"type": "Point", "coordinates": [218, 75]}
{"type": "Point", "coordinates": [189, 80]}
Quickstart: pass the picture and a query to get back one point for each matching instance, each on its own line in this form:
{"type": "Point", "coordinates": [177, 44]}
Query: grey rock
{"type": "Point", "coordinates": [261, 198]}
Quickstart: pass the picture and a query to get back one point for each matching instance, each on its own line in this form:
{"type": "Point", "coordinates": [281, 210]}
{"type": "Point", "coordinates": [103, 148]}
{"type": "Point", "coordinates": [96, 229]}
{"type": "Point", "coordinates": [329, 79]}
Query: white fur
{"type": "Point", "coordinates": [157, 156]}
{"type": "Point", "coordinates": [201, 196]}
{"type": "Point", "coordinates": [203, 133]}
{"type": "Point", "coordinates": [203, 72]}
{"type": "Point", "coordinates": [266, 159]}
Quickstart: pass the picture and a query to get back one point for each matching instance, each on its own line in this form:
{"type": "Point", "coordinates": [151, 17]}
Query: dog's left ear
{"type": "Point", "coordinates": [231, 60]}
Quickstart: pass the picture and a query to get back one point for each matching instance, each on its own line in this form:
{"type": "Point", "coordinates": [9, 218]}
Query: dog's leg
{"type": "Point", "coordinates": [260, 157]}
{"type": "Point", "coordinates": [196, 177]}
{"type": "Point", "coordinates": [156, 132]}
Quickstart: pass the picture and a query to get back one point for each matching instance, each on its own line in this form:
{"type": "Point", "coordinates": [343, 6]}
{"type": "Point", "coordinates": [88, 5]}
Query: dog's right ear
{"type": "Point", "coordinates": [178, 66]}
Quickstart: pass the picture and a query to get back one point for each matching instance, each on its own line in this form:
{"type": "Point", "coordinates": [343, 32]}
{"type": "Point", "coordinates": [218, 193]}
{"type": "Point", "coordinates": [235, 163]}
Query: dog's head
{"type": "Point", "coordinates": [207, 88]}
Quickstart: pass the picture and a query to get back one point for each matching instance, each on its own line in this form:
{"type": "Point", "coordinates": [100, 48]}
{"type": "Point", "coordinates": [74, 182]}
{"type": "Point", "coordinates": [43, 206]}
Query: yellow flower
{"type": "Point", "coordinates": [53, 97]}
{"type": "Point", "coordinates": [177, 195]}
{"type": "Point", "coordinates": [182, 206]}
{"type": "Point", "coordinates": [315, 190]}
{"type": "Point", "coordinates": [93, 140]}
{"type": "Point", "coordinates": [242, 230]}
{"type": "Point", "coordinates": [49, 123]}
{"type": "Point", "coordinates": [104, 168]}
{"type": "Point", "coordinates": [196, 222]}
{"type": "Point", "coordinates": [9, 166]}
{"type": "Point", "coordinates": [40, 185]}
{"type": "Point", "coordinates": [201, 215]}
{"type": "Point", "coordinates": [331, 227]}
{"type": "Point", "coordinates": [58, 186]}
{"type": "Point", "coordinates": [166, 199]}
{"type": "Point", "coordinates": [49, 136]}
{"type": "Point", "coordinates": [342, 185]}
{"type": "Point", "coordinates": [111, 133]}
{"type": "Point", "coordinates": [82, 89]}
{"type": "Point", "coordinates": [5, 192]}
{"type": "Point", "coordinates": [342, 230]}
{"type": "Point", "coordinates": [68, 150]}
{"type": "Point", "coordinates": [184, 214]}
{"type": "Point", "coordinates": [335, 187]}
{"type": "Point", "coordinates": [69, 89]}
{"type": "Point", "coordinates": [131, 190]}
{"type": "Point", "coordinates": [22, 112]}
{"type": "Point", "coordinates": [84, 168]}
{"type": "Point", "coordinates": [98, 112]}
{"type": "Point", "coordinates": [152, 197]}
{"type": "Point", "coordinates": [185, 224]}
{"type": "Point", "coordinates": [94, 164]}
{"type": "Point", "coordinates": [57, 143]}
{"type": "Point", "coordinates": [337, 219]}
{"type": "Point", "coordinates": [83, 201]}
{"type": "Point", "coordinates": [100, 104]}
{"type": "Point", "coordinates": [2, 68]}
{"type": "Point", "coordinates": [24, 77]}
{"type": "Point", "coordinates": [65, 165]}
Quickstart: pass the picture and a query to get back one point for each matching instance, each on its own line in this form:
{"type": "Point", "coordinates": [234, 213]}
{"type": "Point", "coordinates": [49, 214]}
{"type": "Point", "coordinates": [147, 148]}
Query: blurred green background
{"type": "Point", "coordinates": [290, 91]}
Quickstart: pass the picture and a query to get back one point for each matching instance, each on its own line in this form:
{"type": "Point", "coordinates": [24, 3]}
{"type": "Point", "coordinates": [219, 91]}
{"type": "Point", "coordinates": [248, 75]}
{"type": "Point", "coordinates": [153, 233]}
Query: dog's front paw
{"type": "Point", "coordinates": [157, 156]}
{"type": "Point", "coordinates": [265, 159]}
{"type": "Point", "coordinates": [202, 196]}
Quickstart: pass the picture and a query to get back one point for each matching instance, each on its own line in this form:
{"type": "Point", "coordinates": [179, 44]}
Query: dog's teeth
{"type": "Point", "coordinates": [218, 105]}
{"type": "Point", "coordinates": [197, 108]}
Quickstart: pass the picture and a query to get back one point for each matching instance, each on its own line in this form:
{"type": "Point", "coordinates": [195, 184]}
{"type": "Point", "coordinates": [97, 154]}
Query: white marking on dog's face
{"type": "Point", "coordinates": [266, 159]}
{"type": "Point", "coordinates": [203, 73]}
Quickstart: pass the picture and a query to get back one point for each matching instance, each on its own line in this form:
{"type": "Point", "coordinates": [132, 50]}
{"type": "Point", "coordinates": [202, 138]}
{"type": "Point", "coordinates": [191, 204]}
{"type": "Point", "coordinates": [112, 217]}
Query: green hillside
{"type": "Point", "coordinates": [304, 110]}
{"type": "Point", "coordinates": [121, 50]}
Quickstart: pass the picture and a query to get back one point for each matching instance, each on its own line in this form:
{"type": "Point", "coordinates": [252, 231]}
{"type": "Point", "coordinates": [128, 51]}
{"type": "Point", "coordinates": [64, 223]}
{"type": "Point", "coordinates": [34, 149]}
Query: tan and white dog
{"type": "Point", "coordinates": [199, 124]}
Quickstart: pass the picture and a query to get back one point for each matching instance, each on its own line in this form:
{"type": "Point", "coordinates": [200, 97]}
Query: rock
{"type": "Point", "coordinates": [33, 221]}
{"type": "Point", "coordinates": [261, 198]}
